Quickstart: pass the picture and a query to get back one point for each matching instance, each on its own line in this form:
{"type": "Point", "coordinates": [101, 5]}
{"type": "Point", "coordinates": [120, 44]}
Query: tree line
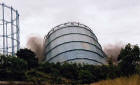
{"type": "Point", "coordinates": [25, 67]}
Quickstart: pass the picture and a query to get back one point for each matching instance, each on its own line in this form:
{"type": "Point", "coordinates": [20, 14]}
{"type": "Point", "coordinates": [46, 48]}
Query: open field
{"type": "Point", "coordinates": [133, 80]}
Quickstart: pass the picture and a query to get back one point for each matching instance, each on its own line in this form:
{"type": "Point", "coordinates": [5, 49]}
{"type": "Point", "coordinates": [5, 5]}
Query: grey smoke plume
{"type": "Point", "coordinates": [36, 44]}
{"type": "Point", "coordinates": [113, 50]}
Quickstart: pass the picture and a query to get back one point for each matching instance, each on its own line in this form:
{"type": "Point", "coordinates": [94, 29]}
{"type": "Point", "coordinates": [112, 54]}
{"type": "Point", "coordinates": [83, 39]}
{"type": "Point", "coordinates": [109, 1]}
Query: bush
{"type": "Point", "coordinates": [85, 76]}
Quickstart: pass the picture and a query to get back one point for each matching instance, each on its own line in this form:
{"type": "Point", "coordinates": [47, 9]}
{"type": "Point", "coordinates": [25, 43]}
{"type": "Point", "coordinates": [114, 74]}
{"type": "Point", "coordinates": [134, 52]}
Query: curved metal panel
{"type": "Point", "coordinates": [50, 41]}
{"type": "Point", "coordinates": [69, 24]}
{"type": "Point", "coordinates": [73, 42]}
{"type": "Point", "coordinates": [53, 31]}
{"type": "Point", "coordinates": [72, 37]}
{"type": "Point", "coordinates": [71, 52]}
{"type": "Point", "coordinates": [85, 59]}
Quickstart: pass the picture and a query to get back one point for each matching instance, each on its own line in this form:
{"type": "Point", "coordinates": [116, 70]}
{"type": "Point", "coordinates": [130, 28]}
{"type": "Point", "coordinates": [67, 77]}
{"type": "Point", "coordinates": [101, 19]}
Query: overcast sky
{"type": "Point", "coordinates": [111, 20]}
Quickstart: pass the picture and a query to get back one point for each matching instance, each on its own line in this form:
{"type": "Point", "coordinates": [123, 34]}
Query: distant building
{"type": "Point", "coordinates": [73, 42]}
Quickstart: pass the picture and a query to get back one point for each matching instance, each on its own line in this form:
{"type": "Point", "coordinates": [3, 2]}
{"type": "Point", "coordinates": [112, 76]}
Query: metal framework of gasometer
{"type": "Point", "coordinates": [9, 30]}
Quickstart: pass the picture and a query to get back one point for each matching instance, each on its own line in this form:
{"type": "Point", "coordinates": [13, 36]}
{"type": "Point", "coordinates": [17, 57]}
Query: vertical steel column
{"type": "Point", "coordinates": [17, 30]}
{"type": "Point", "coordinates": [6, 40]}
{"type": "Point", "coordinates": [3, 29]}
{"type": "Point", "coordinates": [12, 32]}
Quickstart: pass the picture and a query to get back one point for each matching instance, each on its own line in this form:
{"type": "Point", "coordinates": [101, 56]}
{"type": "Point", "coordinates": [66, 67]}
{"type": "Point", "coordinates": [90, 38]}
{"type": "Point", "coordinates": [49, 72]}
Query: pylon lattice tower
{"type": "Point", "coordinates": [9, 30]}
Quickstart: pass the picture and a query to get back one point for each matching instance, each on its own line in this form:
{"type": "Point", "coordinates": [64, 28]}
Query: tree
{"type": "Point", "coordinates": [28, 56]}
{"type": "Point", "coordinates": [128, 59]}
{"type": "Point", "coordinates": [16, 64]}
{"type": "Point", "coordinates": [110, 60]}
{"type": "Point", "coordinates": [2, 59]}
{"type": "Point", "coordinates": [69, 70]}
{"type": "Point", "coordinates": [12, 68]}
{"type": "Point", "coordinates": [85, 76]}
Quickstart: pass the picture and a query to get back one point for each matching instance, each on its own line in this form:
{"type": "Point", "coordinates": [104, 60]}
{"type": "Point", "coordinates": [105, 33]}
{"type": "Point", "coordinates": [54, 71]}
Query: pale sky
{"type": "Point", "coordinates": [111, 20]}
